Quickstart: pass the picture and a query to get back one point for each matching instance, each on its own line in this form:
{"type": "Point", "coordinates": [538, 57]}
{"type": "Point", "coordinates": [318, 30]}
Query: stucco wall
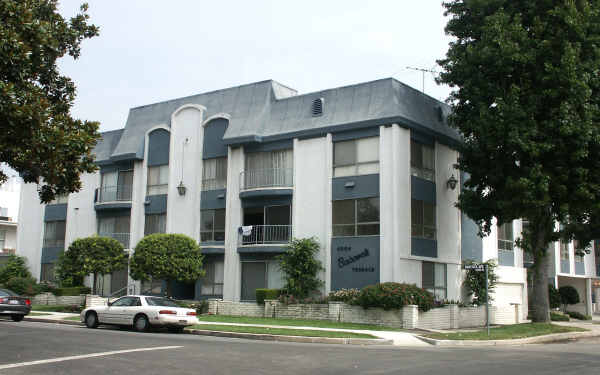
{"type": "Point", "coordinates": [29, 238]}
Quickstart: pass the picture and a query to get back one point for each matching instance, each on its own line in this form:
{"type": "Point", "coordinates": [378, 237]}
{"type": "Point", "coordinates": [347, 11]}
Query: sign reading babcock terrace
{"type": "Point", "coordinates": [354, 262]}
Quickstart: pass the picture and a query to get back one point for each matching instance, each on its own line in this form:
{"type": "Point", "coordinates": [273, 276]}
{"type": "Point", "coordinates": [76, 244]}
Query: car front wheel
{"type": "Point", "coordinates": [17, 317]}
{"type": "Point", "coordinates": [91, 320]}
{"type": "Point", "coordinates": [141, 323]}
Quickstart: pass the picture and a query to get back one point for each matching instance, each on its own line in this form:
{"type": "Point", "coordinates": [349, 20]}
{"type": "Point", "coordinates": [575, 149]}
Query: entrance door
{"type": "Point", "coordinates": [118, 281]}
{"type": "Point", "coordinates": [254, 276]}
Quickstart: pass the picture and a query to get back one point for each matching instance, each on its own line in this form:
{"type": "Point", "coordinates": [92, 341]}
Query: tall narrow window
{"type": "Point", "coordinates": [214, 174]}
{"type": "Point", "coordinates": [2, 238]}
{"type": "Point", "coordinates": [115, 227]}
{"type": "Point", "coordinates": [578, 257]}
{"type": "Point", "coordinates": [158, 180]}
{"type": "Point", "coordinates": [423, 220]}
{"type": "Point", "coordinates": [269, 169]}
{"type": "Point", "coordinates": [506, 240]}
{"type": "Point", "coordinates": [356, 217]}
{"type": "Point", "coordinates": [212, 225]}
{"type": "Point", "coordinates": [356, 157]}
{"type": "Point", "coordinates": [47, 273]}
{"type": "Point", "coordinates": [155, 223]}
{"type": "Point", "coordinates": [54, 233]}
{"type": "Point", "coordinates": [212, 282]}
{"type": "Point", "coordinates": [422, 160]}
{"type": "Point", "coordinates": [434, 276]}
{"type": "Point", "coordinates": [564, 250]}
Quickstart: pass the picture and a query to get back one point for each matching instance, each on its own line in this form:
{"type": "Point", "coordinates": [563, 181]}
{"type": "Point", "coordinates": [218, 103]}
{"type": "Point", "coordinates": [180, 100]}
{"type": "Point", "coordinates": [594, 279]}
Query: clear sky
{"type": "Point", "coordinates": [154, 50]}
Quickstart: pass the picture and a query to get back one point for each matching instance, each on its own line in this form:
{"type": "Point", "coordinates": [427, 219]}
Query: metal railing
{"type": "Point", "coordinates": [114, 193]}
{"type": "Point", "coordinates": [266, 234]}
{"type": "Point", "coordinates": [265, 178]}
{"type": "Point", "coordinates": [214, 184]}
{"type": "Point", "coordinates": [123, 238]}
{"type": "Point", "coordinates": [49, 242]}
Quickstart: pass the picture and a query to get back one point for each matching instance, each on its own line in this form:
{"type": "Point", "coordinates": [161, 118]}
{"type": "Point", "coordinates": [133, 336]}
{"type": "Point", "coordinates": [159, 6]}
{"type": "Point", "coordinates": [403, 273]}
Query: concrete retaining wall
{"type": "Point", "coordinates": [51, 299]}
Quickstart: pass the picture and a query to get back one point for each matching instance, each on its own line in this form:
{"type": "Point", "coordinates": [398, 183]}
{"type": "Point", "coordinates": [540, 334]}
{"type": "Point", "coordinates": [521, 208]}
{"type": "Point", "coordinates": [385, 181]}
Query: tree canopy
{"type": "Point", "coordinates": [301, 268]}
{"type": "Point", "coordinates": [15, 266]}
{"type": "Point", "coordinates": [525, 97]}
{"type": "Point", "coordinates": [91, 255]}
{"type": "Point", "coordinates": [38, 137]}
{"type": "Point", "coordinates": [166, 256]}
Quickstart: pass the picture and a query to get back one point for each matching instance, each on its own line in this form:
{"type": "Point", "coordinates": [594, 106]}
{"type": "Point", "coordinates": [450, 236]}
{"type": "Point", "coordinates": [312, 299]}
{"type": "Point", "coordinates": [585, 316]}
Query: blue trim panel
{"type": "Point", "coordinates": [113, 167]}
{"type": "Point", "coordinates": [422, 138]}
{"type": "Point", "coordinates": [506, 258]}
{"type": "Point", "coordinates": [262, 249]}
{"type": "Point", "coordinates": [270, 146]}
{"type": "Point", "coordinates": [363, 186]}
{"type": "Point", "coordinates": [51, 254]}
{"type": "Point", "coordinates": [579, 268]}
{"type": "Point", "coordinates": [158, 147]}
{"type": "Point", "coordinates": [565, 266]}
{"type": "Point", "coordinates": [259, 193]}
{"type": "Point", "coordinates": [422, 247]}
{"type": "Point", "coordinates": [244, 257]}
{"type": "Point", "coordinates": [112, 206]}
{"type": "Point", "coordinates": [213, 199]}
{"type": "Point", "coordinates": [213, 145]}
{"type": "Point", "coordinates": [355, 134]}
{"type": "Point", "coordinates": [212, 250]}
{"type": "Point", "coordinates": [422, 190]}
{"type": "Point", "coordinates": [123, 157]}
{"type": "Point", "coordinates": [354, 261]}
{"type": "Point", "coordinates": [267, 201]}
{"type": "Point", "coordinates": [115, 212]}
{"type": "Point", "coordinates": [55, 212]}
{"type": "Point", "coordinates": [157, 205]}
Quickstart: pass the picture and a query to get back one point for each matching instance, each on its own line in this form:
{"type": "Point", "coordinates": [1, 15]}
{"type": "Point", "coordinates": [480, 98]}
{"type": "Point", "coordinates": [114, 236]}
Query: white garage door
{"type": "Point", "coordinates": [508, 293]}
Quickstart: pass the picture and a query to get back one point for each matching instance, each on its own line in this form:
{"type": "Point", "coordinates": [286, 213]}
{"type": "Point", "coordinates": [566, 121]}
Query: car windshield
{"type": "Point", "coordinates": [6, 292]}
{"type": "Point", "coordinates": [160, 301]}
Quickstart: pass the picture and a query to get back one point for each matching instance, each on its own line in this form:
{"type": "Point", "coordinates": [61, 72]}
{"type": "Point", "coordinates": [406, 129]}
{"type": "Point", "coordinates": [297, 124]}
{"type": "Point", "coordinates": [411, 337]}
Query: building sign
{"type": "Point", "coordinates": [354, 262]}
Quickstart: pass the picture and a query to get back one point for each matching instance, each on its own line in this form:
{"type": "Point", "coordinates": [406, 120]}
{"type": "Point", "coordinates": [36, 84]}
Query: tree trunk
{"type": "Point", "coordinates": [540, 302]}
{"type": "Point", "coordinates": [169, 286]}
{"type": "Point", "coordinates": [94, 286]}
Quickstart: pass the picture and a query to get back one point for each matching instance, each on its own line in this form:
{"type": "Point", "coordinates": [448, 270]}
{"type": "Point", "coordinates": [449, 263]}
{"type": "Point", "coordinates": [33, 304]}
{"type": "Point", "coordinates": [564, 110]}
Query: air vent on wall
{"type": "Point", "coordinates": [317, 107]}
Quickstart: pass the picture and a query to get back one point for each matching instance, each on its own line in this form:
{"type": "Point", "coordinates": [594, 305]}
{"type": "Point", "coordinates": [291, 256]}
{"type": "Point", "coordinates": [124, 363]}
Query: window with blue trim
{"type": "Point", "coordinates": [423, 219]}
{"type": "Point", "coordinates": [356, 157]}
{"type": "Point", "coordinates": [422, 160]}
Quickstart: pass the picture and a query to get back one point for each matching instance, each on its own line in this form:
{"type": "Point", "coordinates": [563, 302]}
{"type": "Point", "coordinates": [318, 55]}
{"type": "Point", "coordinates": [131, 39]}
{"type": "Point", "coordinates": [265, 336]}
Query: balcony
{"type": "Point", "coordinates": [123, 238]}
{"type": "Point", "coordinates": [266, 235]}
{"type": "Point", "coordinates": [51, 242]}
{"type": "Point", "coordinates": [119, 193]}
{"type": "Point", "coordinates": [267, 178]}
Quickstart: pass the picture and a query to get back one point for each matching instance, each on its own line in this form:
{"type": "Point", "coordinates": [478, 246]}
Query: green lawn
{"type": "Point", "coordinates": [75, 318]}
{"type": "Point", "coordinates": [36, 314]}
{"type": "Point", "coordinates": [282, 331]}
{"type": "Point", "coordinates": [291, 322]}
{"type": "Point", "coordinates": [515, 331]}
{"type": "Point", "coordinates": [54, 308]}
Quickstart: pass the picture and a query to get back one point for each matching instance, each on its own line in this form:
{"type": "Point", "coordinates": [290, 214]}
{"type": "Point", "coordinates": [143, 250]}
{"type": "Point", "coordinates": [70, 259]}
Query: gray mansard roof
{"type": "Point", "coordinates": [267, 111]}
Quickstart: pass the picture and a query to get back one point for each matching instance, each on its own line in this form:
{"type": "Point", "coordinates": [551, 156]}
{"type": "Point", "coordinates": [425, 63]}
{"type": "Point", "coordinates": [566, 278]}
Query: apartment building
{"type": "Point", "coordinates": [366, 169]}
{"type": "Point", "coordinates": [9, 212]}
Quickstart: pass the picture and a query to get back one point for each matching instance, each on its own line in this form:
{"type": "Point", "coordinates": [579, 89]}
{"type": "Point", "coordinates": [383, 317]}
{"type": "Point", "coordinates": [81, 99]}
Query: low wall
{"type": "Point", "coordinates": [447, 317]}
{"type": "Point", "coordinates": [51, 299]}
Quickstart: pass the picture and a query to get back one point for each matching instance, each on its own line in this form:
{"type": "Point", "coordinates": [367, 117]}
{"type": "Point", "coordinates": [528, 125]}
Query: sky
{"type": "Point", "coordinates": [154, 50]}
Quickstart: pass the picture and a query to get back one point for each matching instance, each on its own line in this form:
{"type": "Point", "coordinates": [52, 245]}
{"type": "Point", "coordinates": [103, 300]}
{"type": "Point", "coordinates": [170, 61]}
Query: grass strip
{"type": "Point", "coordinates": [37, 314]}
{"type": "Point", "coordinates": [292, 322]}
{"type": "Point", "coordinates": [282, 331]}
{"type": "Point", "coordinates": [75, 318]}
{"type": "Point", "coordinates": [514, 331]}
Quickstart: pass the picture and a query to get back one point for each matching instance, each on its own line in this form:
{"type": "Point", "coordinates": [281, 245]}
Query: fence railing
{"type": "Point", "coordinates": [114, 193]}
{"type": "Point", "coordinates": [123, 238]}
{"type": "Point", "coordinates": [261, 178]}
{"type": "Point", "coordinates": [266, 234]}
{"type": "Point", "coordinates": [48, 242]}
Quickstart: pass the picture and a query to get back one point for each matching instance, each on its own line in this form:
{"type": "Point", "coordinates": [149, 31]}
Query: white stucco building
{"type": "Point", "coordinates": [10, 193]}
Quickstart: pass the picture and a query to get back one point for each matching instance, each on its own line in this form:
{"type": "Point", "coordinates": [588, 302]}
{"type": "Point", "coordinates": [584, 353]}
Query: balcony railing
{"type": "Point", "coordinates": [266, 234]}
{"type": "Point", "coordinates": [50, 242]}
{"type": "Point", "coordinates": [114, 193]}
{"type": "Point", "coordinates": [266, 178]}
{"type": "Point", "coordinates": [123, 238]}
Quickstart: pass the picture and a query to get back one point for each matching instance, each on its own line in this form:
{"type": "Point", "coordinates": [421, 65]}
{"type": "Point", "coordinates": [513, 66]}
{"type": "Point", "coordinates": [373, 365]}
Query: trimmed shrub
{"type": "Point", "coordinates": [15, 266]}
{"type": "Point", "coordinates": [72, 291]}
{"type": "Point", "coordinates": [23, 285]}
{"type": "Point", "coordinates": [554, 296]}
{"type": "Point", "coordinates": [578, 315]}
{"type": "Point", "coordinates": [557, 317]}
{"type": "Point", "coordinates": [263, 294]}
{"type": "Point", "coordinates": [568, 295]}
{"type": "Point", "coordinates": [394, 295]}
{"type": "Point", "coordinates": [348, 296]}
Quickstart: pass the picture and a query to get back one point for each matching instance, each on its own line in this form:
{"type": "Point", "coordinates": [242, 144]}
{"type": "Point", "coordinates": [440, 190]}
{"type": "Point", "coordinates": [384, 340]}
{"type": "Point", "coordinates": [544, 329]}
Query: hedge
{"type": "Point", "coordinates": [578, 315]}
{"type": "Point", "coordinates": [263, 294]}
{"type": "Point", "coordinates": [556, 317]}
{"type": "Point", "coordinates": [72, 291]}
{"type": "Point", "coordinates": [394, 295]}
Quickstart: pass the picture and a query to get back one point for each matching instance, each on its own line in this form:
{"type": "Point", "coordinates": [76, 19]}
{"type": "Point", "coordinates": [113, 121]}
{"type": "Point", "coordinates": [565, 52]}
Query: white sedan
{"type": "Point", "coordinates": [140, 312]}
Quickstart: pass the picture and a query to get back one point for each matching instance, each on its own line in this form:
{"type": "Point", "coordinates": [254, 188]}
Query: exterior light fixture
{"type": "Point", "coordinates": [452, 181]}
{"type": "Point", "coordinates": [181, 188]}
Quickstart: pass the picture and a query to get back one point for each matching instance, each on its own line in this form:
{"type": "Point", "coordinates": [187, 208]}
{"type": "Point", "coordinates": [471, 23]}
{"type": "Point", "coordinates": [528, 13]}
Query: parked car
{"type": "Point", "coordinates": [13, 305]}
{"type": "Point", "coordinates": [141, 313]}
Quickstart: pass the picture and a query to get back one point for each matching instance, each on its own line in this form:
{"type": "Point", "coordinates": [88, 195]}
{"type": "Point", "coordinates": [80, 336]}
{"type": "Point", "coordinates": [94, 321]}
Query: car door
{"type": "Point", "coordinates": [128, 312]}
{"type": "Point", "coordinates": [115, 310]}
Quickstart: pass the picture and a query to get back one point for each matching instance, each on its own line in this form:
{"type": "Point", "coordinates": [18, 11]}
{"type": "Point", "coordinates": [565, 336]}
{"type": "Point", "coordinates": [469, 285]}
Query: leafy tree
{"type": "Point", "coordinates": [568, 295]}
{"type": "Point", "coordinates": [38, 136]}
{"type": "Point", "coordinates": [525, 98]}
{"type": "Point", "coordinates": [475, 282]}
{"type": "Point", "coordinates": [300, 267]}
{"type": "Point", "coordinates": [167, 257]}
{"type": "Point", "coordinates": [15, 266]}
{"type": "Point", "coordinates": [554, 296]}
{"type": "Point", "coordinates": [91, 255]}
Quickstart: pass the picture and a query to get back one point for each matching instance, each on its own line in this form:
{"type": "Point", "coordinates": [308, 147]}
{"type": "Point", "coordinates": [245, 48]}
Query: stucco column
{"type": "Point", "coordinates": [588, 297]}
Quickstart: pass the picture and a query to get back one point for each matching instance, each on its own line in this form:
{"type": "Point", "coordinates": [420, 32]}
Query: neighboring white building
{"type": "Point", "coordinates": [10, 193]}
{"type": "Point", "coordinates": [366, 169]}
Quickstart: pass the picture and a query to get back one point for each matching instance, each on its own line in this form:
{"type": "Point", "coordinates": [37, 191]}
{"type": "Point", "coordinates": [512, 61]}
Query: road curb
{"type": "Point", "coordinates": [303, 339]}
{"type": "Point", "coordinates": [529, 340]}
{"type": "Point", "coordinates": [57, 321]}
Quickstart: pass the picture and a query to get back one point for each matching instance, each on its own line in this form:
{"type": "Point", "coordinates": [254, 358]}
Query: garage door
{"type": "Point", "coordinates": [508, 293]}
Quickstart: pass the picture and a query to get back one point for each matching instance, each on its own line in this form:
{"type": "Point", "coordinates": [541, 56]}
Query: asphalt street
{"type": "Point", "coordinates": [93, 352]}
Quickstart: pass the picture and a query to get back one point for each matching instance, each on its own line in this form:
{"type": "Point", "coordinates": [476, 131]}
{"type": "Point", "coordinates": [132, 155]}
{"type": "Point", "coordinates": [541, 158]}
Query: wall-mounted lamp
{"type": "Point", "coordinates": [181, 188]}
{"type": "Point", "coordinates": [452, 181]}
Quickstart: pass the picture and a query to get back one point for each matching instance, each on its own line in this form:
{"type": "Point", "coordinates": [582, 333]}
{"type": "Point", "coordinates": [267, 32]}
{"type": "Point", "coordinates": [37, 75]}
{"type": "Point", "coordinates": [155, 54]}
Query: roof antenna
{"type": "Point", "coordinates": [423, 71]}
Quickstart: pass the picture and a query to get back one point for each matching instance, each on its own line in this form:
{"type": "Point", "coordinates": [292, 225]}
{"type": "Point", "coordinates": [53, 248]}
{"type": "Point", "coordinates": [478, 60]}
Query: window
{"type": "Point", "coordinates": [269, 169]}
{"type": "Point", "coordinates": [54, 233]}
{"type": "Point", "coordinates": [423, 219]}
{"type": "Point", "coordinates": [2, 238]}
{"type": "Point", "coordinates": [115, 227]}
{"type": "Point", "coordinates": [214, 174]}
{"type": "Point", "coordinates": [155, 223]}
{"type": "Point", "coordinates": [564, 250]}
{"type": "Point", "coordinates": [3, 211]}
{"type": "Point", "coordinates": [127, 301]}
{"type": "Point", "coordinates": [60, 199]}
{"type": "Point", "coordinates": [116, 186]}
{"type": "Point", "coordinates": [158, 180]}
{"type": "Point", "coordinates": [47, 272]}
{"type": "Point", "coordinates": [434, 279]}
{"type": "Point", "coordinates": [422, 160]}
{"type": "Point", "coordinates": [356, 157]}
{"type": "Point", "coordinates": [356, 217]}
{"type": "Point", "coordinates": [212, 282]}
{"type": "Point", "coordinates": [212, 225]}
{"type": "Point", "coordinates": [506, 240]}
{"type": "Point", "coordinates": [578, 258]}
{"type": "Point", "coordinates": [152, 287]}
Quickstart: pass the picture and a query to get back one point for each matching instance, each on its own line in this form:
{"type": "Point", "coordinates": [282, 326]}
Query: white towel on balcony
{"type": "Point", "coordinates": [246, 230]}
